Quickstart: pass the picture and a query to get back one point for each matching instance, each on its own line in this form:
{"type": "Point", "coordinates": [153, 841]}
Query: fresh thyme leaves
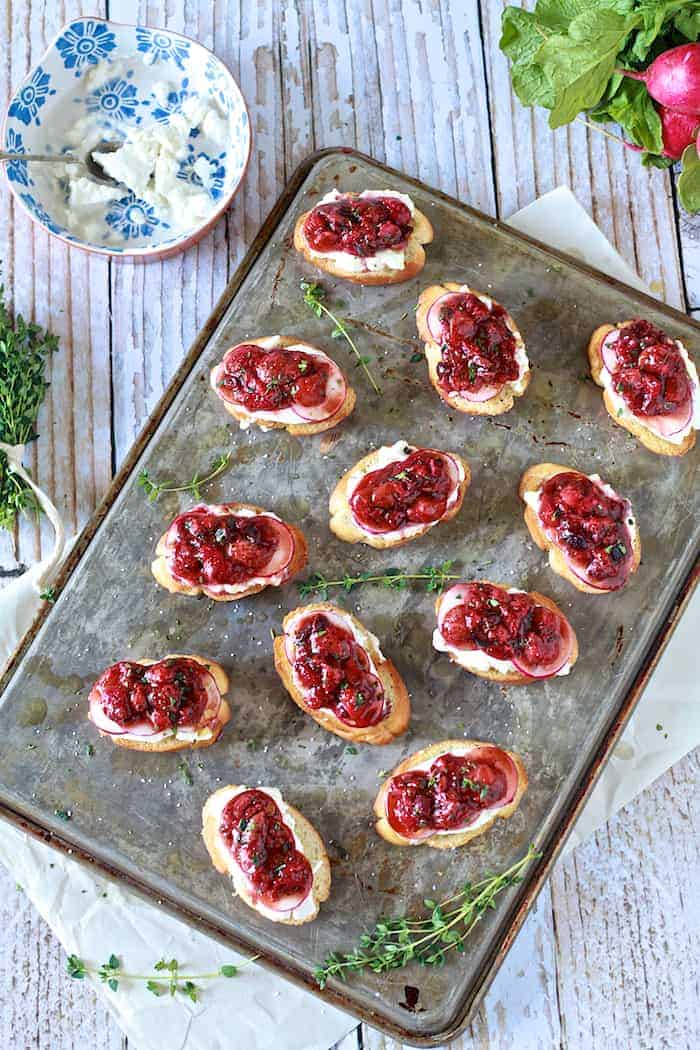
{"type": "Point", "coordinates": [314, 294]}
{"type": "Point", "coordinates": [24, 350]}
{"type": "Point", "coordinates": [155, 489]}
{"type": "Point", "coordinates": [166, 979]}
{"type": "Point", "coordinates": [49, 595]}
{"type": "Point", "coordinates": [481, 790]}
{"type": "Point", "coordinates": [425, 939]}
{"type": "Point", "coordinates": [63, 814]}
{"type": "Point", "coordinates": [185, 772]}
{"type": "Point", "coordinates": [435, 577]}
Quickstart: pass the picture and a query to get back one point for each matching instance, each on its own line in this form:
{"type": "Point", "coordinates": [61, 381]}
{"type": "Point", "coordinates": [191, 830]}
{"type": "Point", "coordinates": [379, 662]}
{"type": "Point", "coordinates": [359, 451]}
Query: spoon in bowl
{"type": "Point", "coordinates": [95, 170]}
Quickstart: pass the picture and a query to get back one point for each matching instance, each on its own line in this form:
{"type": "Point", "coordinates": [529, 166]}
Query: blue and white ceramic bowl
{"type": "Point", "coordinates": [121, 78]}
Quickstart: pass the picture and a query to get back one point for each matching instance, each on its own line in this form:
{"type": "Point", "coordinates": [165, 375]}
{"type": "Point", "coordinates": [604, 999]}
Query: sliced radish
{"type": "Point", "coordinates": [576, 569]}
{"type": "Point", "coordinates": [288, 903]}
{"type": "Point", "coordinates": [100, 720]}
{"type": "Point", "coordinates": [671, 423]}
{"type": "Point", "coordinates": [289, 649]}
{"type": "Point", "coordinates": [283, 553]}
{"type": "Point", "coordinates": [432, 320]}
{"type": "Point", "coordinates": [608, 352]}
{"type": "Point", "coordinates": [484, 394]}
{"type": "Point", "coordinates": [336, 390]}
{"type": "Point", "coordinates": [456, 595]}
{"type": "Point", "coordinates": [214, 699]}
{"type": "Point", "coordinates": [548, 670]}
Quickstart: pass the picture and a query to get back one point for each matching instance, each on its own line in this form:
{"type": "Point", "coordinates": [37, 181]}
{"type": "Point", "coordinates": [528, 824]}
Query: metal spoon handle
{"type": "Point", "coordinates": [60, 158]}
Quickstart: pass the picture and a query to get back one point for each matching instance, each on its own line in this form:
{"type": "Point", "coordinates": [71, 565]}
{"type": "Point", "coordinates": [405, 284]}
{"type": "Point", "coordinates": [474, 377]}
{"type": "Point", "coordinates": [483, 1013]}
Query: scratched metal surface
{"type": "Point", "coordinates": [138, 813]}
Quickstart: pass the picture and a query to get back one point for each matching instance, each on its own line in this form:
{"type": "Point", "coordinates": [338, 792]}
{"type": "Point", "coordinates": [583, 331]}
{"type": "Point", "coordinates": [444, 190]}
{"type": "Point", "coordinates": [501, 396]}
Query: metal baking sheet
{"type": "Point", "coordinates": [135, 815]}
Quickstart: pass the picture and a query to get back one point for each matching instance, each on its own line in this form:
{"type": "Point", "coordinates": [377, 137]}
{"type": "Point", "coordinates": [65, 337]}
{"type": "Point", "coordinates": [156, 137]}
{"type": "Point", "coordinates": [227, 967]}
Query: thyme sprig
{"type": "Point", "coordinates": [314, 294]}
{"type": "Point", "coordinates": [165, 980]}
{"type": "Point", "coordinates": [24, 351]}
{"type": "Point", "coordinates": [434, 576]}
{"type": "Point", "coordinates": [155, 489]}
{"type": "Point", "coordinates": [394, 943]}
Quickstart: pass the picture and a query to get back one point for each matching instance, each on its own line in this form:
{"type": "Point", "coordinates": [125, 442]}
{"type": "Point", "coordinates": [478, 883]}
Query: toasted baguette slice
{"type": "Point", "coordinates": [300, 429]}
{"type": "Point", "coordinates": [513, 676]}
{"type": "Point", "coordinates": [343, 523]}
{"type": "Point", "coordinates": [421, 234]}
{"type": "Point", "coordinates": [505, 398]}
{"type": "Point", "coordinates": [392, 725]}
{"type": "Point", "coordinates": [533, 478]}
{"type": "Point", "coordinates": [454, 839]}
{"type": "Point", "coordinates": [179, 742]}
{"type": "Point", "coordinates": [308, 842]}
{"type": "Point", "coordinates": [634, 424]}
{"type": "Point", "coordinates": [163, 575]}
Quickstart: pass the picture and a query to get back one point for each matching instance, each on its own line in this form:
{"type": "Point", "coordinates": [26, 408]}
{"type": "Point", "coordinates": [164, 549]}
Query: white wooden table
{"type": "Point", "coordinates": [611, 954]}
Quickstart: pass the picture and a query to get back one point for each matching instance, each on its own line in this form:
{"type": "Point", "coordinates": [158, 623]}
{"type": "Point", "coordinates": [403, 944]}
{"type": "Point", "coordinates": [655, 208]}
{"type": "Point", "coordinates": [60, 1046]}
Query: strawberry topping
{"type": "Point", "coordinates": [452, 793]}
{"type": "Point", "coordinates": [411, 491]}
{"type": "Point", "coordinates": [360, 226]}
{"type": "Point", "coordinates": [476, 344]}
{"type": "Point", "coordinates": [263, 847]}
{"type": "Point", "coordinates": [170, 693]}
{"type": "Point", "coordinates": [334, 672]}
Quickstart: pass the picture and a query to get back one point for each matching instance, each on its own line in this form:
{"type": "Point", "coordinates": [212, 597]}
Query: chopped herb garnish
{"type": "Point", "coordinates": [351, 749]}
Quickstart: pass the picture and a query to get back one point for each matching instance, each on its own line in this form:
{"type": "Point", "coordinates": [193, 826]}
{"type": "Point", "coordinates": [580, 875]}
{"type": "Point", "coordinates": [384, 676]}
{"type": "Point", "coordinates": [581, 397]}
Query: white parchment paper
{"type": "Point", "coordinates": [256, 1010]}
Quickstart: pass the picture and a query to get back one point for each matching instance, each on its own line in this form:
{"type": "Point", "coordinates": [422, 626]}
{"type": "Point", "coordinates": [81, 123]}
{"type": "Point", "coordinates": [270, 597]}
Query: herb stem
{"type": "Point", "coordinates": [436, 576]}
{"type": "Point", "coordinates": [154, 489]}
{"type": "Point", "coordinates": [313, 296]}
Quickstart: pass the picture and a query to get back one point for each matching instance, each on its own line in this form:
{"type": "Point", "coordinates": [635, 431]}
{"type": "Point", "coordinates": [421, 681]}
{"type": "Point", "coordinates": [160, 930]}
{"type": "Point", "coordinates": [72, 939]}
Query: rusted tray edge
{"type": "Point", "coordinates": [514, 917]}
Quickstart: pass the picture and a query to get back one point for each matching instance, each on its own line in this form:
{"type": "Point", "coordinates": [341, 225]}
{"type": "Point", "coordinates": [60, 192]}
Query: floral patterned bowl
{"type": "Point", "coordinates": [123, 77]}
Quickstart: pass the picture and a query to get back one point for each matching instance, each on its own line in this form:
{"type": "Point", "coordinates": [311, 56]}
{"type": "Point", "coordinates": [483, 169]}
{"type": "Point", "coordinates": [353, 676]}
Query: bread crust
{"type": "Point", "coordinates": [651, 440]}
{"type": "Point", "coordinates": [343, 524]}
{"type": "Point", "coordinates": [392, 726]}
{"type": "Point", "coordinates": [421, 234]}
{"type": "Point", "coordinates": [298, 429]}
{"type": "Point", "coordinates": [312, 844]}
{"type": "Point", "coordinates": [176, 743]}
{"type": "Point", "coordinates": [457, 838]}
{"type": "Point", "coordinates": [514, 677]}
{"type": "Point", "coordinates": [163, 576]}
{"type": "Point", "coordinates": [531, 480]}
{"type": "Point", "coordinates": [504, 400]}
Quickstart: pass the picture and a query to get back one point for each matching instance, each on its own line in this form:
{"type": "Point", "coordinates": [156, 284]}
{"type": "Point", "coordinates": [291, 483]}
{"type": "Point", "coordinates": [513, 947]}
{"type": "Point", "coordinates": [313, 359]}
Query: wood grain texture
{"type": "Point", "coordinates": [606, 957]}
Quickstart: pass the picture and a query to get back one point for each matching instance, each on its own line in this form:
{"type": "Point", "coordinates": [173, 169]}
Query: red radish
{"type": "Point", "coordinates": [456, 595]}
{"type": "Point", "coordinates": [100, 720]}
{"type": "Point", "coordinates": [672, 422]}
{"type": "Point", "coordinates": [335, 396]}
{"type": "Point", "coordinates": [432, 320]}
{"type": "Point", "coordinates": [678, 130]}
{"type": "Point", "coordinates": [484, 394]}
{"type": "Point", "coordinates": [608, 352]}
{"type": "Point", "coordinates": [548, 670]}
{"type": "Point", "coordinates": [284, 551]}
{"type": "Point", "coordinates": [576, 569]}
{"type": "Point", "coordinates": [673, 79]}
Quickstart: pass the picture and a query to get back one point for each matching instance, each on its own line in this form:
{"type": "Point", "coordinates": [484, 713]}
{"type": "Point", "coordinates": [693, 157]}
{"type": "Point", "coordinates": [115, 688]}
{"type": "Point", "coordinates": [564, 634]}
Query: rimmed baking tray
{"type": "Point", "coordinates": [137, 816]}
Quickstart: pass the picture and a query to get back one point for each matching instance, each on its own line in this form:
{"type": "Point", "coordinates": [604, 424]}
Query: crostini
{"type": "Point", "coordinates": [650, 385]}
{"type": "Point", "coordinates": [334, 670]}
{"type": "Point", "coordinates": [282, 383]}
{"type": "Point", "coordinates": [161, 705]}
{"type": "Point", "coordinates": [373, 237]}
{"type": "Point", "coordinates": [274, 855]}
{"type": "Point", "coordinates": [476, 356]}
{"type": "Point", "coordinates": [589, 531]}
{"type": "Point", "coordinates": [228, 551]}
{"type": "Point", "coordinates": [504, 634]}
{"type": "Point", "coordinates": [448, 793]}
{"type": "Point", "coordinates": [397, 493]}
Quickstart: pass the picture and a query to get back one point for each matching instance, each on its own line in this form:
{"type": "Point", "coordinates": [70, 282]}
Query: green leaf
{"type": "Point", "coordinates": [76, 967]}
{"type": "Point", "coordinates": [656, 16]}
{"type": "Point", "coordinates": [689, 180]}
{"type": "Point", "coordinates": [580, 63]}
{"type": "Point", "coordinates": [687, 21]}
{"type": "Point", "coordinates": [155, 987]}
{"type": "Point", "coordinates": [228, 970]}
{"type": "Point", "coordinates": [113, 984]}
{"type": "Point", "coordinates": [113, 962]}
{"type": "Point", "coordinates": [632, 108]}
{"type": "Point", "coordinates": [521, 39]}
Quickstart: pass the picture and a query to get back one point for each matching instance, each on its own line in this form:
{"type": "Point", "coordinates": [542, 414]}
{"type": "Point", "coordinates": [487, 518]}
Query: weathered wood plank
{"type": "Point", "coordinates": [42, 1006]}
